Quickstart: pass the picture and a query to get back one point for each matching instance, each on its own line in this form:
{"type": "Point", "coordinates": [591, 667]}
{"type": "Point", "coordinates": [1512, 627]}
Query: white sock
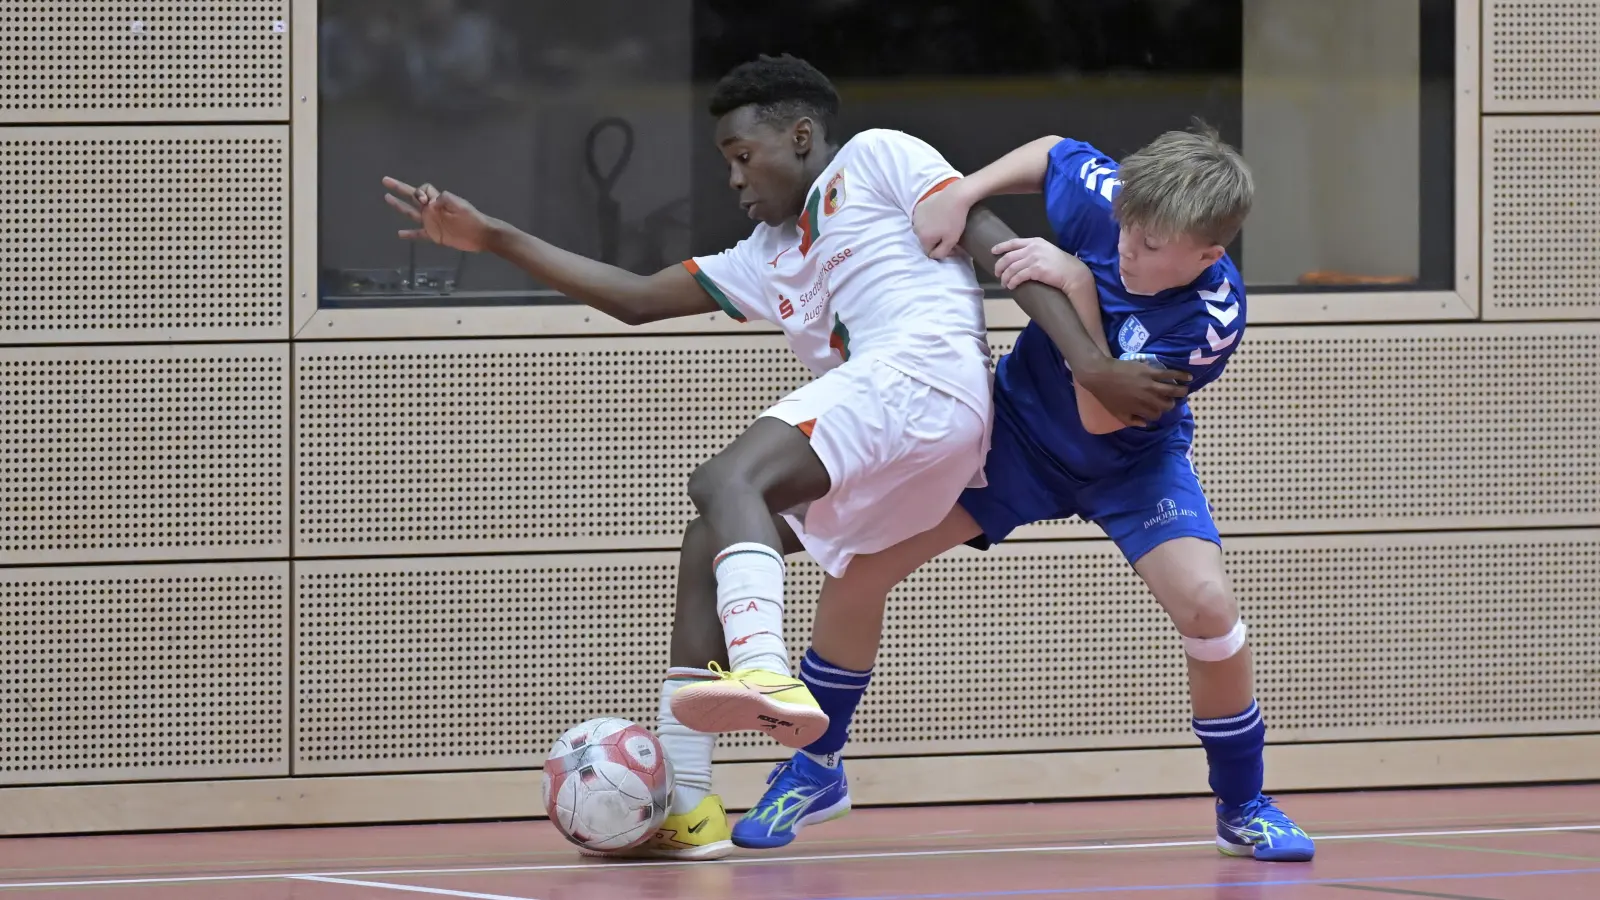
{"type": "Point", "coordinates": [750, 601]}
{"type": "Point", "coordinates": [825, 760]}
{"type": "Point", "coordinates": [689, 751]}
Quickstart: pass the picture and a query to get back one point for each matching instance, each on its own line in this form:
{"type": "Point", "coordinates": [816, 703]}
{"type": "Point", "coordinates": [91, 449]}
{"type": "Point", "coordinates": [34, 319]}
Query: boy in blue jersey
{"type": "Point", "coordinates": [1139, 251]}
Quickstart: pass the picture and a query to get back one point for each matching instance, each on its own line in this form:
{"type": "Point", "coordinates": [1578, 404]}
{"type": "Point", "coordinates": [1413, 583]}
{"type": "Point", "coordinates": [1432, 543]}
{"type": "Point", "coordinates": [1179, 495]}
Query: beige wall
{"type": "Point", "coordinates": [239, 546]}
{"type": "Point", "coordinates": [1331, 106]}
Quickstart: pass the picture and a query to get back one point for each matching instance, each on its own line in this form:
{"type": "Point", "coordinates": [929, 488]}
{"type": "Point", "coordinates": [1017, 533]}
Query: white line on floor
{"type": "Point", "coordinates": [415, 889]}
{"type": "Point", "coordinates": [760, 860]}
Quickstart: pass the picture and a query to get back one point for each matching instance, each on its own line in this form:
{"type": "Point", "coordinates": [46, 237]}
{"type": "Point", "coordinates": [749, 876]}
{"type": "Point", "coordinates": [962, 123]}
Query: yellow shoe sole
{"type": "Point", "coordinates": [729, 705]}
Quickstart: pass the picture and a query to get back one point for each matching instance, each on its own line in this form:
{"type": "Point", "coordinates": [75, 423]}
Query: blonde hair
{"type": "Point", "coordinates": [1186, 183]}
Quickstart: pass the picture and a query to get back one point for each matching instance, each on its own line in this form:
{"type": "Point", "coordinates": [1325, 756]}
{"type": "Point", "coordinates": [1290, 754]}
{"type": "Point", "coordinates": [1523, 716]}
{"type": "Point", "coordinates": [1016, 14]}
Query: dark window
{"type": "Point", "coordinates": [585, 123]}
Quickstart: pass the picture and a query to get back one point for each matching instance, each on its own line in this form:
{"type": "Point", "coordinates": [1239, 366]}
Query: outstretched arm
{"type": "Point", "coordinates": [1133, 393]}
{"type": "Point", "coordinates": [629, 298]}
{"type": "Point", "coordinates": [625, 296]}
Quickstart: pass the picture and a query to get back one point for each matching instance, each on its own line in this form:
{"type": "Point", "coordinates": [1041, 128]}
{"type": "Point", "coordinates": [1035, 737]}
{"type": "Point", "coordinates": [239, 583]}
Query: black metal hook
{"type": "Point", "coordinates": [610, 210]}
{"type": "Point", "coordinates": [591, 144]}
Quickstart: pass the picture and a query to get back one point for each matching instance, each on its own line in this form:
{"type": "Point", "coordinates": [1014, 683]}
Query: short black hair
{"type": "Point", "coordinates": [781, 88]}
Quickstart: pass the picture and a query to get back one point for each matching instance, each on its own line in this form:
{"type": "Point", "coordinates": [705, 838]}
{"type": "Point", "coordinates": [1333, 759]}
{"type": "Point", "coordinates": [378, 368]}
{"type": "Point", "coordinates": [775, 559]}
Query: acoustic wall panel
{"type": "Point", "coordinates": [1541, 56]}
{"type": "Point", "coordinates": [1464, 634]}
{"type": "Point", "coordinates": [123, 673]}
{"type": "Point", "coordinates": [157, 453]}
{"type": "Point", "coordinates": [480, 662]}
{"type": "Point", "coordinates": [517, 445]}
{"type": "Point", "coordinates": [124, 234]}
{"type": "Point", "coordinates": [1416, 428]}
{"type": "Point", "coordinates": [133, 61]}
{"type": "Point", "coordinates": [1541, 213]}
{"type": "Point", "coordinates": [566, 444]}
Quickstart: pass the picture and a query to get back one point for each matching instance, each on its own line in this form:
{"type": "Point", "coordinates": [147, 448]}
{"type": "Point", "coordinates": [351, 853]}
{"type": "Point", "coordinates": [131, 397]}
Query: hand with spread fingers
{"type": "Point", "coordinates": [446, 219]}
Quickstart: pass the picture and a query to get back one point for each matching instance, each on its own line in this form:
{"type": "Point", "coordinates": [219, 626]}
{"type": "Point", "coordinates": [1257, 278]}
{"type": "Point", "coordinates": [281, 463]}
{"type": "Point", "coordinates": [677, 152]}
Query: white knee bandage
{"type": "Point", "coordinates": [1219, 648]}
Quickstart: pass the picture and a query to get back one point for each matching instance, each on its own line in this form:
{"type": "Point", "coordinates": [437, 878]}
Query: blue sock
{"type": "Point", "coordinates": [1234, 747]}
{"type": "Point", "coordinates": [837, 690]}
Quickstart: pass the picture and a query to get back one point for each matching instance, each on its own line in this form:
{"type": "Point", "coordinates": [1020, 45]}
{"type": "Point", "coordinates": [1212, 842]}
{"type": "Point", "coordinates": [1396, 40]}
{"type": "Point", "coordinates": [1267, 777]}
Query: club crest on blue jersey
{"type": "Point", "coordinates": [1132, 335]}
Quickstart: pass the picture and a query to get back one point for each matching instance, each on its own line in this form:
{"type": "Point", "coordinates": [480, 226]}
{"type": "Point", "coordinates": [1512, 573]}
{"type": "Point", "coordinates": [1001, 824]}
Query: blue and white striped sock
{"type": "Point", "coordinates": [1234, 748]}
{"type": "Point", "coordinates": [837, 690]}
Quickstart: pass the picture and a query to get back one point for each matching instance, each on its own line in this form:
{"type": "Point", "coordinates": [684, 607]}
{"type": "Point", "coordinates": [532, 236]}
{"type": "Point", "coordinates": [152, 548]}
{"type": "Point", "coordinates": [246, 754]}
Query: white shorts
{"type": "Point", "coordinates": [899, 454]}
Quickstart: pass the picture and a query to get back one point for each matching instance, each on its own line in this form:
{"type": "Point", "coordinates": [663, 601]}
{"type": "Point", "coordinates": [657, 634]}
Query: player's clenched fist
{"type": "Point", "coordinates": [446, 219]}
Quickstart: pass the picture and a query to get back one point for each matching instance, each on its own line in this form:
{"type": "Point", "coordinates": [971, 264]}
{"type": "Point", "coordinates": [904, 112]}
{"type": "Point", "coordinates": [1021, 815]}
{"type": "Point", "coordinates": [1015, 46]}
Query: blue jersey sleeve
{"type": "Point", "coordinates": [1078, 186]}
{"type": "Point", "coordinates": [1202, 342]}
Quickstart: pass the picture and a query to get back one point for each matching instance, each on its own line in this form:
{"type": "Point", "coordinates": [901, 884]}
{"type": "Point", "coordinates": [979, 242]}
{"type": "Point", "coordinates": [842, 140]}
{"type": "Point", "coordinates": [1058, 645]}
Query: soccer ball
{"type": "Point", "coordinates": [607, 784]}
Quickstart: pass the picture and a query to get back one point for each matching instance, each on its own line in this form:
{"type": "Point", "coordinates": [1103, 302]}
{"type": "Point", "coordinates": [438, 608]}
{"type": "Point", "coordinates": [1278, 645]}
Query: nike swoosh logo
{"type": "Point", "coordinates": [695, 829]}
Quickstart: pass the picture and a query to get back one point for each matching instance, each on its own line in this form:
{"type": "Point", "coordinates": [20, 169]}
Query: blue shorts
{"type": "Point", "coordinates": [1154, 500]}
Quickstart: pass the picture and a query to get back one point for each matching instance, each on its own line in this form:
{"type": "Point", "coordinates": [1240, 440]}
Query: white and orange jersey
{"type": "Point", "coordinates": [849, 279]}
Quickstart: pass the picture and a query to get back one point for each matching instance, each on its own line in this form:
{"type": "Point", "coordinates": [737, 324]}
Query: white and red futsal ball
{"type": "Point", "coordinates": [607, 784]}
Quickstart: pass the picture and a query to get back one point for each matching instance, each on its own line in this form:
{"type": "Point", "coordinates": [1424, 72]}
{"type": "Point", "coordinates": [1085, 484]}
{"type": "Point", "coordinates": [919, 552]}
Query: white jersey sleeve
{"type": "Point", "coordinates": [905, 169]}
{"type": "Point", "coordinates": [733, 279]}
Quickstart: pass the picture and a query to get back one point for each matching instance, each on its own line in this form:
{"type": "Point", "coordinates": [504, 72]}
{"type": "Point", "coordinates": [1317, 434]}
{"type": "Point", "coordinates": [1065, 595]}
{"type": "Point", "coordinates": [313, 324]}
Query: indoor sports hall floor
{"type": "Point", "coordinates": [1501, 844]}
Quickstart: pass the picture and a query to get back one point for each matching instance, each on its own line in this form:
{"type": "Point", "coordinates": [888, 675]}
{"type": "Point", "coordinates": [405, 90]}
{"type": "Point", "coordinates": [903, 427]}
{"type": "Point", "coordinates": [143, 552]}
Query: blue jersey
{"type": "Point", "coordinates": [1195, 328]}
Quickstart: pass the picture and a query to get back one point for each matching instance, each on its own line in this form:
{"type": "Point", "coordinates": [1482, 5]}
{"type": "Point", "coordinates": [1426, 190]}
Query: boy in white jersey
{"type": "Point", "coordinates": [872, 452]}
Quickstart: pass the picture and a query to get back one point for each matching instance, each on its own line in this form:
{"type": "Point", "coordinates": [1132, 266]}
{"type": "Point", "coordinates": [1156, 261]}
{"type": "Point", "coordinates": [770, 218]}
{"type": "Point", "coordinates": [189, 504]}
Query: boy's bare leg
{"type": "Point", "coordinates": [849, 623]}
{"type": "Point", "coordinates": [697, 642]}
{"type": "Point", "coordinates": [811, 787]}
{"type": "Point", "coordinates": [1187, 577]}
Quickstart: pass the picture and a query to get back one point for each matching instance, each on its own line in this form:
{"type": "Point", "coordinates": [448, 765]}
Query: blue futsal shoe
{"type": "Point", "coordinates": [1258, 829]}
{"type": "Point", "coordinates": [799, 793]}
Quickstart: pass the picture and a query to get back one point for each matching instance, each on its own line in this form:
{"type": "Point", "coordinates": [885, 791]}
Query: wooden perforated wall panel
{"type": "Point", "coordinates": [1322, 429]}
{"type": "Point", "coordinates": [449, 446]}
{"type": "Point", "coordinates": [143, 234]}
{"type": "Point", "coordinates": [1541, 56]}
{"type": "Point", "coordinates": [122, 673]}
{"type": "Point", "coordinates": [144, 452]}
{"type": "Point", "coordinates": [1541, 211]}
{"type": "Point", "coordinates": [133, 61]}
{"type": "Point", "coordinates": [440, 663]}
{"type": "Point", "coordinates": [432, 447]}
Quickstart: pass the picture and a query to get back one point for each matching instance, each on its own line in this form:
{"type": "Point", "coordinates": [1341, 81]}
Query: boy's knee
{"type": "Point", "coordinates": [772, 463]}
{"type": "Point", "coordinates": [716, 477]}
{"type": "Point", "coordinates": [702, 488]}
{"type": "Point", "coordinates": [1207, 617]}
{"type": "Point", "coordinates": [1207, 610]}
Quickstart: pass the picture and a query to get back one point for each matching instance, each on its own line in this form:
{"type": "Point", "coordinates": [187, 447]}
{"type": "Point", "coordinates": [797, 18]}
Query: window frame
{"type": "Point", "coordinates": [309, 322]}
